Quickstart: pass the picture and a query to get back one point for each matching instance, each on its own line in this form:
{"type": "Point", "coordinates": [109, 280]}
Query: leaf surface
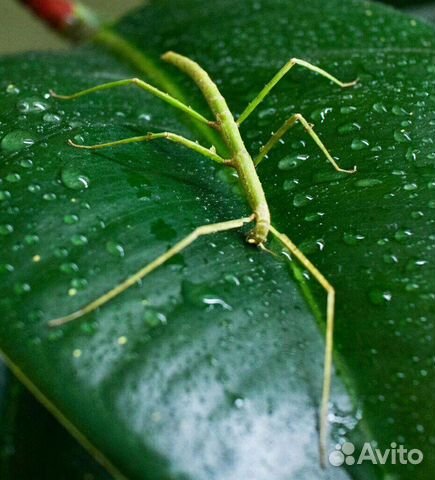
{"type": "Point", "coordinates": [212, 366]}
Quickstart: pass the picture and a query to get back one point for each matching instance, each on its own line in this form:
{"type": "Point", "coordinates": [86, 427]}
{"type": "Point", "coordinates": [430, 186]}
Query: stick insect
{"type": "Point", "coordinates": [240, 160]}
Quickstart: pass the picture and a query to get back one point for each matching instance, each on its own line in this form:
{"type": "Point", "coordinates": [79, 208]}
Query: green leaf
{"type": "Point", "coordinates": [212, 366]}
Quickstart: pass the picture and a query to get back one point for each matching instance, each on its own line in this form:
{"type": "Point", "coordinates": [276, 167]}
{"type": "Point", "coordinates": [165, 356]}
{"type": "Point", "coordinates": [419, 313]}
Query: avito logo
{"type": "Point", "coordinates": [397, 454]}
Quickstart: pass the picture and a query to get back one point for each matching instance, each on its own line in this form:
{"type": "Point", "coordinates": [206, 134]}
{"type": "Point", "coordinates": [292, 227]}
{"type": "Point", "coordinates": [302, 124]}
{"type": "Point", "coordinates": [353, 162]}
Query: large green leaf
{"type": "Point", "coordinates": [211, 368]}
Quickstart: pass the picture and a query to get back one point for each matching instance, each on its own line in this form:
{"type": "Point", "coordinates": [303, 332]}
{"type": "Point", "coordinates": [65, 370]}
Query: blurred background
{"type": "Point", "coordinates": [21, 31]}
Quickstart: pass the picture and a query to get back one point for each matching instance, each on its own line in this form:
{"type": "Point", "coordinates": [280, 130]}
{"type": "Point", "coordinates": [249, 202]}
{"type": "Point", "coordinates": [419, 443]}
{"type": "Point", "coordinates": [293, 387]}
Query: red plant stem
{"type": "Point", "coordinates": [57, 13]}
{"type": "Point", "coordinates": [67, 17]}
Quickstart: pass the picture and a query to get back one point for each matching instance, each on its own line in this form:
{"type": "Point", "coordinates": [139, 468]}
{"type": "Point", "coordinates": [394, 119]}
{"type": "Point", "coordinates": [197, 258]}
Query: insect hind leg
{"type": "Point", "coordinates": [147, 269]}
{"type": "Point", "coordinates": [329, 341]}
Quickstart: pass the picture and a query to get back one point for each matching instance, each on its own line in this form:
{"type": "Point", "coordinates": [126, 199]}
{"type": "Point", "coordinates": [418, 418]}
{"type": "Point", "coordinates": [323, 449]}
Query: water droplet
{"type": "Point", "coordinates": [348, 109]}
{"type": "Point", "coordinates": [292, 161]}
{"type": "Point", "coordinates": [32, 105]}
{"type": "Point", "coordinates": [402, 236]}
{"type": "Point", "coordinates": [79, 284]}
{"type": "Point", "coordinates": [69, 268]}
{"type": "Point", "coordinates": [348, 128]}
{"type": "Point", "coordinates": [412, 287]}
{"type": "Point", "coordinates": [21, 288]}
{"type": "Point", "coordinates": [320, 114]}
{"type": "Point", "coordinates": [379, 297]}
{"type": "Point", "coordinates": [415, 264]}
{"type": "Point", "coordinates": [73, 178]}
{"type": "Point", "coordinates": [300, 199]}
{"type": "Point", "coordinates": [31, 239]}
{"type": "Point", "coordinates": [145, 117]}
{"type": "Point", "coordinates": [13, 177]}
{"type": "Point", "coordinates": [313, 217]}
{"type": "Point", "coordinates": [232, 279]}
{"type": "Point", "coordinates": [402, 136]}
{"type": "Point", "coordinates": [390, 259]}
{"type": "Point", "coordinates": [417, 214]}
{"type": "Point", "coordinates": [49, 197]}
{"type": "Point", "coordinates": [213, 301]}
{"type": "Point", "coordinates": [203, 294]}
{"type": "Point", "coordinates": [411, 154]}
{"type": "Point", "coordinates": [359, 144]}
{"type": "Point", "coordinates": [34, 188]}
{"type": "Point", "coordinates": [367, 182]}
{"type": "Point", "coordinates": [352, 238]}
{"type": "Point", "coordinates": [79, 139]}
{"type": "Point", "coordinates": [16, 140]}
{"type": "Point", "coordinates": [6, 229]}
{"type": "Point", "coordinates": [12, 89]}
{"type": "Point", "coordinates": [6, 268]}
{"type": "Point", "coordinates": [4, 195]}
{"type": "Point", "coordinates": [70, 219]}
{"type": "Point", "coordinates": [115, 248]}
{"type": "Point", "coordinates": [52, 118]}
{"type": "Point", "coordinates": [289, 185]}
{"type": "Point", "coordinates": [154, 319]}
{"type": "Point", "coordinates": [399, 111]}
{"type": "Point", "coordinates": [26, 163]}
{"type": "Point", "coordinates": [79, 240]}
{"type": "Point", "coordinates": [60, 252]}
{"type": "Point", "coordinates": [379, 108]}
{"type": "Point", "coordinates": [310, 247]}
{"type": "Point", "coordinates": [267, 113]}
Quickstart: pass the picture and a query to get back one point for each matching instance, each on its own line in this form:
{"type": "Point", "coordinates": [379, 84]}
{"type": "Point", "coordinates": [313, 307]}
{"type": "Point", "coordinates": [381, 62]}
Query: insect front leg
{"type": "Point", "coordinates": [172, 137]}
{"type": "Point", "coordinates": [274, 139]}
{"type": "Point", "coordinates": [144, 86]}
{"type": "Point", "coordinates": [283, 71]}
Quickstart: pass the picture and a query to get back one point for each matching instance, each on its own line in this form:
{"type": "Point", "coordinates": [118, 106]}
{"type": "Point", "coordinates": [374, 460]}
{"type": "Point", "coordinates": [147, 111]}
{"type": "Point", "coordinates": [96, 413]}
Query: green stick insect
{"type": "Point", "coordinates": [245, 165]}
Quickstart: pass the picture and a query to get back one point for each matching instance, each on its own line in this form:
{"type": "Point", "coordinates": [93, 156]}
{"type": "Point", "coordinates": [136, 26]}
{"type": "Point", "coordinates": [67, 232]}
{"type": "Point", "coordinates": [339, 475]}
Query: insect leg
{"type": "Point", "coordinates": [330, 311]}
{"type": "Point", "coordinates": [173, 137]}
{"type": "Point", "coordinates": [133, 279]}
{"type": "Point", "coordinates": [143, 85]}
{"type": "Point", "coordinates": [274, 139]}
{"type": "Point", "coordinates": [285, 69]}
